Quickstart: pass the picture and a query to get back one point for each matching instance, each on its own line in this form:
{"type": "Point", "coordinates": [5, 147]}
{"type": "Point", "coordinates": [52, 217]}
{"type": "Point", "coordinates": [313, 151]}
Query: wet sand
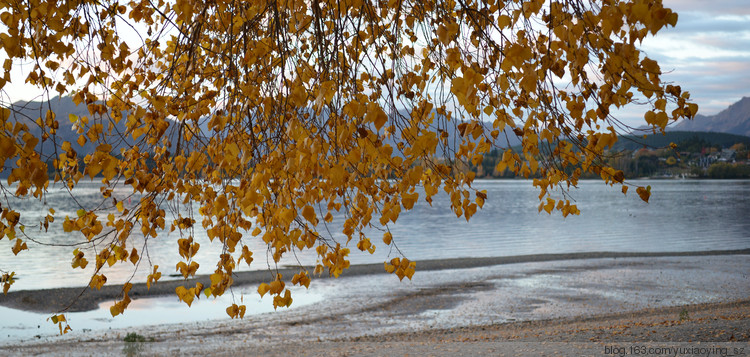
{"type": "Point", "coordinates": [718, 329]}
{"type": "Point", "coordinates": [85, 299]}
{"type": "Point", "coordinates": [544, 305]}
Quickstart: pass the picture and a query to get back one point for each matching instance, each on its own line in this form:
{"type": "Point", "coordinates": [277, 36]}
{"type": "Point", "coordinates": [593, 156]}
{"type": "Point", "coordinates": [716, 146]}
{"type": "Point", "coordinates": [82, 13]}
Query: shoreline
{"type": "Point", "coordinates": [713, 328]}
{"type": "Point", "coordinates": [78, 299]}
{"type": "Point", "coordinates": [594, 328]}
{"type": "Point", "coordinates": [561, 307]}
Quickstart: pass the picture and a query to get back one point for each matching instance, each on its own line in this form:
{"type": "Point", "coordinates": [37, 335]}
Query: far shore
{"type": "Point", "coordinates": [76, 299]}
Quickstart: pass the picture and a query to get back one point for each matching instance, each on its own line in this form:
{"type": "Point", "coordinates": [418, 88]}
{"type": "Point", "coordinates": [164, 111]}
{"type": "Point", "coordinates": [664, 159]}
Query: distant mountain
{"type": "Point", "coordinates": [28, 112]}
{"type": "Point", "coordinates": [733, 120]}
{"type": "Point", "coordinates": [658, 140]}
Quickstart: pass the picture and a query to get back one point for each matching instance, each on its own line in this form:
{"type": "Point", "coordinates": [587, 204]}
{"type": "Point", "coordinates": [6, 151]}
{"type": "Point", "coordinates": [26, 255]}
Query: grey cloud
{"type": "Point", "coordinates": [722, 7]}
{"type": "Point", "coordinates": [689, 22]}
{"type": "Point", "coordinates": [715, 84]}
{"type": "Point", "coordinates": [713, 29]}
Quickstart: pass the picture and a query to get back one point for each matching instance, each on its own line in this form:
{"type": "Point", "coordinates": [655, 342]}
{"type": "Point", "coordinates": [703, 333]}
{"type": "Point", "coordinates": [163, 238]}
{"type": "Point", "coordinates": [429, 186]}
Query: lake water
{"type": "Point", "coordinates": [683, 215]}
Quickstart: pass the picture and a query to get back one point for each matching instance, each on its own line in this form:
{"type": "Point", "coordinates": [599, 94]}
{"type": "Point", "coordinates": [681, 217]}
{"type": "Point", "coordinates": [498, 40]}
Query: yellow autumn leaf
{"type": "Point", "coordinates": [377, 116]}
{"type": "Point", "coordinates": [549, 206]}
{"type": "Point", "coordinates": [309, 213]}
{"type": "Point", "coordinates": [387, 238]}
{"type": "Point", "coordinates": [263, 289]}
{"type": "Point", "coordinates": [644, 193]}
{"type": "Point", "coordinates": [233, 311]}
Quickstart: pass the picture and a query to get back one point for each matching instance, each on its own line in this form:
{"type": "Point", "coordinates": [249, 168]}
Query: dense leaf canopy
{"type": "Point", "coordinates": [273, 116]}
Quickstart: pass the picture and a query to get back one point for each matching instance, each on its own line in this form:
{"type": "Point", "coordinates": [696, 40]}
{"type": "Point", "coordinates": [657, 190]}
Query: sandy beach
{"type": "Point", "coordinates": [574, 304]}
{"type": "Point", "coordinates": [83, 299]}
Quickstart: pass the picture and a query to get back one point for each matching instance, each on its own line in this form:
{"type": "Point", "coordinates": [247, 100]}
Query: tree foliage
{"type": "Point", "coordinates": [725, 170]}
{"type": "Point", "coordinates": [273, 116]}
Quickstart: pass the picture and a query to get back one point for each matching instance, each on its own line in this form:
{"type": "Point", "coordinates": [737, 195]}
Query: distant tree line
{"type": "Point", "coordinates": [696, 154]}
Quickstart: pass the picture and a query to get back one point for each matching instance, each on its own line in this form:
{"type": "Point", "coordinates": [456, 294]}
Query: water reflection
{"type": "Point", "coordinates": [23, 325]}
{"type": "Point", "coordinates": [681, 216]}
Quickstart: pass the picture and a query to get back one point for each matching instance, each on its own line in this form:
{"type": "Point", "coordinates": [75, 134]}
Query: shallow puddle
{"type": "Point", "coordinates": [22, 325]}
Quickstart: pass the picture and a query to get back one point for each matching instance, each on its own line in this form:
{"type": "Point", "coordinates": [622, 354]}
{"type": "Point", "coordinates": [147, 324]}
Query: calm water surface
{"type": "Point", "coordinates": [682, 215]}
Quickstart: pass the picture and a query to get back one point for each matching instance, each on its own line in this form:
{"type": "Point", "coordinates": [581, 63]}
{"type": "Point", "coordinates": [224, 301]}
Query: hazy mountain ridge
{"type": "Point", "coordinates": [658, 140]}
{"type": "Point", "coordinates": [734, 120]}
{"type": "Point", "coordinates": [27, 112]}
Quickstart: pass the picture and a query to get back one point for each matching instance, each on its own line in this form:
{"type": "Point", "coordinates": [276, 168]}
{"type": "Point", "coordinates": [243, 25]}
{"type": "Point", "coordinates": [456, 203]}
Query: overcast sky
{"type": "Point", "coordinates": [707, 54]}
